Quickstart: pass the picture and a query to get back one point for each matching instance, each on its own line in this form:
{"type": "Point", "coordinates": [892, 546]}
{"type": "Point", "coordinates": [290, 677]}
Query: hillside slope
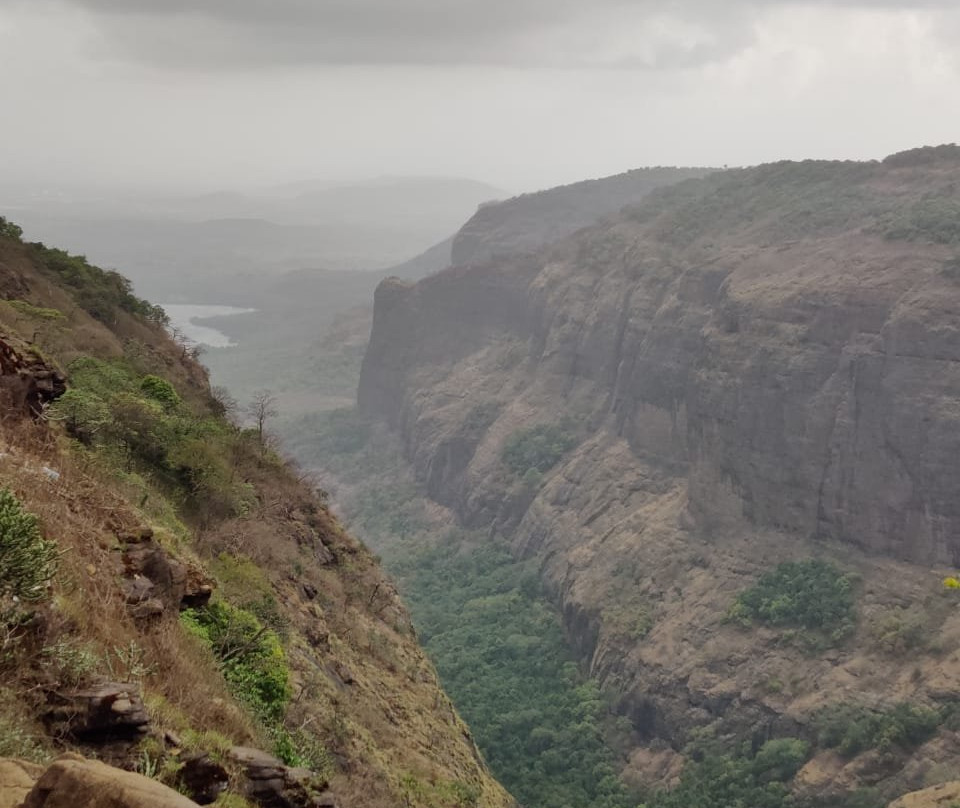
{"type": "Point", "coordinates": [182, 594]}
{"type": "Point", "coordinates": [529, 221]}
{"type": "Point", "coordinates": [753, 368]}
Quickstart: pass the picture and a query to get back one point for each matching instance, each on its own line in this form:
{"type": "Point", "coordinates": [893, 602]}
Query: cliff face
{"type": "Point", "coordinates": [758, 366]}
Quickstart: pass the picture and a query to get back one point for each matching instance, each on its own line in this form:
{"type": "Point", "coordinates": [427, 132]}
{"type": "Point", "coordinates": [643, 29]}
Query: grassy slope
{"type": "Point", "coordinates": [364, 702]}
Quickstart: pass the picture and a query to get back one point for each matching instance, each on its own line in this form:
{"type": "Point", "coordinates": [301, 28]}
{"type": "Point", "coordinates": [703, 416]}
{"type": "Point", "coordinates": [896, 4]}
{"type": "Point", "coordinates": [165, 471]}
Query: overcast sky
{"type": "Point", "coordinates": [520, 93]}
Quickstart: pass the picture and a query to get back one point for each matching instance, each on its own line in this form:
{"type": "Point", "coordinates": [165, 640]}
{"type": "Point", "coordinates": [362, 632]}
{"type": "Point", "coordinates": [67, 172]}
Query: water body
{"type": "Point", "coordinates": [184, 317]}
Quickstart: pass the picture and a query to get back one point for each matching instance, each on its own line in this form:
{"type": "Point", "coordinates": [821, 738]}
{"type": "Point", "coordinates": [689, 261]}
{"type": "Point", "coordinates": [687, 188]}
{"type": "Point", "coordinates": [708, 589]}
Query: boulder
{"type": "Point", "coordinates": [16, 779]}
{"type": "Point", "coordinates": [271, 784]}
{"type": "Point", "coordinates": [112, 711]}
{"type": "Point", "coordinates": [203, 778]}
{"type": "Point", "coordinates": [157, 583]}
{"type": "Point", "coordinates": [73, 782]}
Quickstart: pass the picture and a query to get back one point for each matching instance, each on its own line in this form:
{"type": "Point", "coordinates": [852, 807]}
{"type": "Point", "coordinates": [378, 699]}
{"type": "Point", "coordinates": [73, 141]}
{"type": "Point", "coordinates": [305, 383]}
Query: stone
{"type": "Point", "coordinates": [203, 778]}
{"type": "Point", "coordinates": [16, 779]}
{"type": "Point", "coordinates": [271, 784]}
{"type": "Point", "coordinates": [112, 711]}
{"type": "Point", "coordinates": [73, 782]}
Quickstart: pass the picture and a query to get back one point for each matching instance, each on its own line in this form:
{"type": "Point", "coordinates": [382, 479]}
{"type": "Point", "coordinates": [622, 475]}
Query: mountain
{"type": "Point", "coordinates": [227, 247]}
{"type": "Point", "coordinates": [177, 600]}
{"type": "Point", "coordinates": [723, 425]}
{"type": "Point", "coordinates": [531, 220]}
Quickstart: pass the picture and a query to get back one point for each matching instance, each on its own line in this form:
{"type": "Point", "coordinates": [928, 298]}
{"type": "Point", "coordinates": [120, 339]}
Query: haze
{"type": "Point", "coordinates": [521, 95]}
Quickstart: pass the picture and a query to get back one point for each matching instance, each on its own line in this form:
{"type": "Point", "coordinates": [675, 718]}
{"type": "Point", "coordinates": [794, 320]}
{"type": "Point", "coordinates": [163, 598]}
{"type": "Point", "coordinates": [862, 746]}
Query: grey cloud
{"type": "Point", "coordinates": [544, 33]}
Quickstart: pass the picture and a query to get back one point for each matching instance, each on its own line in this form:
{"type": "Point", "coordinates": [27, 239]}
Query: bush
{"type": "Point", "coordinates": [852, 729]}
{"type": "Point", "coordinates": [537, 449]}
{"type": "Point", "coordinates": [936, 220]}
{"type": "Point", "coordinates": [810, 594]}
{"type": "Point", "coordinates": [101, 293]}
{"type": "Point", "coordinates": [250, 656]}
{"type": "Point", "coordinates": [737, 780]}
{"type": "Point", "coordinates": [84, 414]}
{"type": "Point", "coordinates": [28, 562]}
{"type": "Point", "coordinates": [160, 390]}
{"type": "Point", "coordinates": [9, 230]}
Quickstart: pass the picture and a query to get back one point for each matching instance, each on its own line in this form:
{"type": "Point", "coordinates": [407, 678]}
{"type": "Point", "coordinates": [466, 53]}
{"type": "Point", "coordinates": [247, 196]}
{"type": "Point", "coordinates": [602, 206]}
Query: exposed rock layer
{"type": "Point", "coordinates": [760, 365]}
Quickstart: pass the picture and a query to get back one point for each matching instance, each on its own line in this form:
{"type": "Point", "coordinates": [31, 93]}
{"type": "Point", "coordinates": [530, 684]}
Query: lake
{"type": "Point", "coordinates": [183, 317]}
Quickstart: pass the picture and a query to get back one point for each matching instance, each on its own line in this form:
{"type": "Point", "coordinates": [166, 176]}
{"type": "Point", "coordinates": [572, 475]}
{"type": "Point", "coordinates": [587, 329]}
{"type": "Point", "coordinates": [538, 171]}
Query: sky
{"type": "Point", "coordinates": [523, 94]}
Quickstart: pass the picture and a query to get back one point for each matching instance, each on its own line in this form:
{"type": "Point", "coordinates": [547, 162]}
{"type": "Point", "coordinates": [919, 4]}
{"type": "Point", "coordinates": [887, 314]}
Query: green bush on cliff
{"type": "Point", "coordinates": [250, 656]}
{"type": "Point", "coordinates": [101, 293]}
{"type": "Point", "coordinates": [9, 230]}
{"type": "Point", "coordinates": [933, 219]}
{"type": "Point", "coordinates": [27, 561]}
{"type": "Point", "coordinates": [139, 422]}
{"type": "Point", "coordinates": [810, 594]}
{"type": "Point", "coordinates": [852, 729]}
{"type": "Point", "coordinates": [732, 781]}
{"type": "Point", "coordinates": [537, 449]}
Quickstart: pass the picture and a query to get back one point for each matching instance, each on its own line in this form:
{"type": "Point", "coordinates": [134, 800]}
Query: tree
{"type": "Point", "coordinates": [263, 406]}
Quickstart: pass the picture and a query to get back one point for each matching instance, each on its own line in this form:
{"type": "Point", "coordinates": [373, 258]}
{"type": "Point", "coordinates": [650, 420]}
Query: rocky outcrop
{"type": "Point", "coordinates": [102, 714]}
{"type": "Point", "coordinates": [156, 583]}
{"type": "Point", "coordinates": [27, 382]}
{"type": "Point", "coordinates": [73, 782]}
{"type": "Point", "coordinates": [944, 795]}
{"type": "Point", "coordinates": [758, 366]}
{"type": "Point", "coordinates": [271, 784]}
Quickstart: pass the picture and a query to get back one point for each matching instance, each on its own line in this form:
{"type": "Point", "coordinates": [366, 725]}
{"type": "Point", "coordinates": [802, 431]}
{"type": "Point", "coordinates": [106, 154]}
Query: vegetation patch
{"type": "Point", "coordinates": [933, 219]}
{"type": "Point", "coordinates": [758, 781]}
{"type": "Point", "coordinates": [811, 594]}
{"type": "Point", "coordinates": [852, 729]}
{"type": "Point", "coordinates": [28, 561]}
{"type": "Point", "coordinates": [537, 449]}
{"type": "Point", "coordinates": [500, 651]}
{"type": "Point", "coordinates": [249, 654]}
{"type": "Point", "coordinates": [101, 293]}
{"type": "Point", "coordinates": [138, 422]}
{"type": "Point", "coordinates": [36, 312]}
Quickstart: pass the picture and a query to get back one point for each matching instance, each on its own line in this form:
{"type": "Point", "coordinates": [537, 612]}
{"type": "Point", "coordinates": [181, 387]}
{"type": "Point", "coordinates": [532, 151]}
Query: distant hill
{"type": "Point", "coordinates": [221, 247]}
{"type": "Point", "coordinates": [529, 221]}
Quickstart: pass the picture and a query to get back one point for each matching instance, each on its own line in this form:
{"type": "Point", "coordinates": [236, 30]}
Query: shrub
{"type": "Point", "coordinates": [539, 448]}
{"type": "Point", "coordinates": [250, 656]}
{"type": "Point", "coordinates": [780, 759]}
{"type": "Point", "coordinates": [28, 562]}
{"type": "Point", "coordinates": [810, 594]}
{"type": "Point", "coordinates": [101, 293]}
{"type": "Point", "coordinates": [852, 729]}
{"type": "Point", "coordinates": [37, 312]}
{"type": "Point", "coordinates": [160, 390]}
{"type": "Point", "coordinates": [936, 220]}
{"type": "Point", "coordinates": [737, 780]}
{"type": "Point", "coordinates": [84, 414]}
{"type": "Point", "coordinates": [9, 230]}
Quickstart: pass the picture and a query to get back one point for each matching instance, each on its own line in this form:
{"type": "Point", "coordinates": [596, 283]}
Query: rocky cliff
{"type": "Point", "coordinates": [754, 367]}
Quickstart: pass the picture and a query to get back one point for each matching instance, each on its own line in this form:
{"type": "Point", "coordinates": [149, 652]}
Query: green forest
{"type": "Point", "coordinates": [500, 652]}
